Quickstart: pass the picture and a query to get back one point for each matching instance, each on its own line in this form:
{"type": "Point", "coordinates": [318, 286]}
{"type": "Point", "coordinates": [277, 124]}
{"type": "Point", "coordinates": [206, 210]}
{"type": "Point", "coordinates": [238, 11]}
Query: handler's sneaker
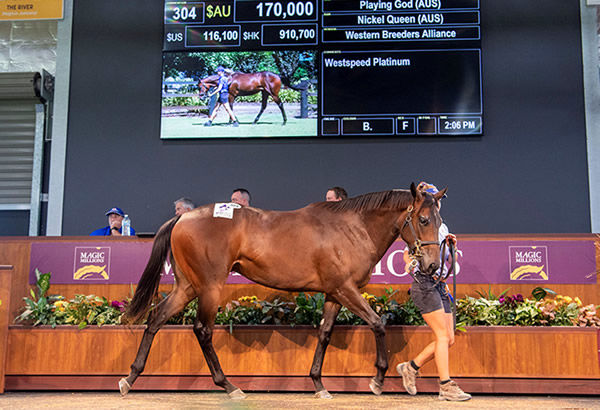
{"type": "Point", "coordinates": [409, 375]}
{"type": "Point", "coordinates": [451, 392]}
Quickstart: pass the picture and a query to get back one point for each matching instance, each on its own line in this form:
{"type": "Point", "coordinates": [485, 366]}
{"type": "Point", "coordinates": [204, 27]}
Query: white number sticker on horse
{"type": "Point", "coordinates": [225, 210]}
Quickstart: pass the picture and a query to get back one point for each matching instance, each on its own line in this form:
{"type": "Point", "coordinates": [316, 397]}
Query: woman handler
{"type": "Point", "coordinates": [434, 304]}
{"type": "Point", "coordinates": [223, 91]}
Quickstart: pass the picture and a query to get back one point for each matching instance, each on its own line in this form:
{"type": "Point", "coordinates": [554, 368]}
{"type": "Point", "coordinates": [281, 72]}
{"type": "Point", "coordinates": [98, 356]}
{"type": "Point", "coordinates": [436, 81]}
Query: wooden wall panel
{"type": "Point", "coordinates": [5, 292]}
{"type": "Point", "coordinates": [259, 351]}
{"type": "Point", "coordinates": [16, 253]}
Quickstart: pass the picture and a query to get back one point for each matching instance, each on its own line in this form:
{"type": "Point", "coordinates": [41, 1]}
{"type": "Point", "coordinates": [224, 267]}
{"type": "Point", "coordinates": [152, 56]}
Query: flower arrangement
{"type": "Point", "coordinates": [544, 308]}
{"type": "Point", "coordinates": [53, 310]}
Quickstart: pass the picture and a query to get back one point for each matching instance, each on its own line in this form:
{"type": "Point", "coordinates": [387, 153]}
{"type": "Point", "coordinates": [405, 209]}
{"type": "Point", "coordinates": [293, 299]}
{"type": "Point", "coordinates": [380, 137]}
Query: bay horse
{"type": "Point", "coordinates": [328, 247]}
{"type": "Point", "coordinates": [265, 82]}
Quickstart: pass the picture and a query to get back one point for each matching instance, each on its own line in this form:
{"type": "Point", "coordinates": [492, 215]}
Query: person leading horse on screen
{"type": "Point", "coordinates": [223, 100]}
{"type": "Point", "coordinates": [433, 300]}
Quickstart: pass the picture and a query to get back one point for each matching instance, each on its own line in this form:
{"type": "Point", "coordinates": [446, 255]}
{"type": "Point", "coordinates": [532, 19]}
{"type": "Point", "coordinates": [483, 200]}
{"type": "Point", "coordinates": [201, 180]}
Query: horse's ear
{"type": "Point", "coordinates": [440, 194]}
{"type": "Point", "coordinates": [414, 191]}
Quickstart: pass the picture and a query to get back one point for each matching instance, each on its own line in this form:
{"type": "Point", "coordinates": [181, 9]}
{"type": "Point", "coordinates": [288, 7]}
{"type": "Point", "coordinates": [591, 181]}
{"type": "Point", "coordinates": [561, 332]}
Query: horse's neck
{"type": "Point", "coordinates": [383, 227]}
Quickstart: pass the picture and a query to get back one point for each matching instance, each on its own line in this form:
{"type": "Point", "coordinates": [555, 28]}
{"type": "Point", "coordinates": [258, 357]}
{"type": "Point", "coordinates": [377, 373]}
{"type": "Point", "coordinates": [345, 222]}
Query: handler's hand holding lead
{"type": "Point", "coordinates": [451, 238]}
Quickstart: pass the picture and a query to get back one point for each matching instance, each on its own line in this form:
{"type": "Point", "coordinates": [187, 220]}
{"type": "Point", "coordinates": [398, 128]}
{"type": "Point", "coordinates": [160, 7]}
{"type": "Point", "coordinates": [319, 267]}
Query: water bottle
{"type": "Point", "coordinates": [126, 226]}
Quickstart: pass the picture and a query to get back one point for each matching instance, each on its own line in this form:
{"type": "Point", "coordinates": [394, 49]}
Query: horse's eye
{"type": "Point", "coordinates": [424, 221]}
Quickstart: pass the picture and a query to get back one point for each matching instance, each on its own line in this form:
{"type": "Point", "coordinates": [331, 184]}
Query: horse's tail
{"type": "Point", "coordinates": [302, 85]}
{"type": "Point", "coordinates": [148, 285]}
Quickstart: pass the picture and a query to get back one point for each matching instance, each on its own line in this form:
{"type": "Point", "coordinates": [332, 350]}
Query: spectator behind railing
{"type": "Point", "coordinates": [115, 219]}
{"type": "Point", "coordinates": [241, 196]}
{"type": "Point", "coordinates": [183, 205]}
{"type": "Point", "coordinates": [336, 194]}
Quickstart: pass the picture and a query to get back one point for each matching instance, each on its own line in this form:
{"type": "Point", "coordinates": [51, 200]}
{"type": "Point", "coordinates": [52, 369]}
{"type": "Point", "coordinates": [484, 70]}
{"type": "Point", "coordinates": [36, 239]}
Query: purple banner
{"type": "Point", "coordinates": [497, 261]}
{"type": "Point", "coordinates": [505, 261]}
{"type": "Point", "coordinates": [93, 262]}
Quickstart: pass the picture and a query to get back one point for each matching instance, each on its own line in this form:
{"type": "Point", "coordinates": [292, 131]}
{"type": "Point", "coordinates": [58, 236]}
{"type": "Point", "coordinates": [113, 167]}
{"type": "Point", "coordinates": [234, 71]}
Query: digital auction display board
{"type": "Point", "coordinates": [336, 68]}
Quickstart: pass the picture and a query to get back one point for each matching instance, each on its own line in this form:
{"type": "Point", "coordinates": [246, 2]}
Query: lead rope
{"type": "Point", "coordinates": [451, 270]}
{"type": "Point", "coordinates": [453, 267]}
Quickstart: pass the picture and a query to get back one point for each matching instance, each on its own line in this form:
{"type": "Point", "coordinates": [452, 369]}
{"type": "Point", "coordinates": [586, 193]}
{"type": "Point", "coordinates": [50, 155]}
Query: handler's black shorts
{"type": "Point", "coordinates": [429, 297]}
{"type": "Point", "coordinates": [224, 98]}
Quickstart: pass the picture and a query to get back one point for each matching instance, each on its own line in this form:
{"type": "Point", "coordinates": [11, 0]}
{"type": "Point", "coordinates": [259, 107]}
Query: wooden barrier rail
{"type": "Point", "coordinates": [5, 318]}
{"type": "Point", "coordinates": [487, 359]}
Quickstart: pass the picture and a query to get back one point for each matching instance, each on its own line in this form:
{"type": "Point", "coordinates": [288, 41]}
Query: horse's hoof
{"type": "Point", "coordinates": [375, 387]}
{"type": "Point", "coordinates": [124, 387]}
{"type": "Point", "coordinates": [323, 394]}
{"type": "Point", "coordinates": [237, 394]}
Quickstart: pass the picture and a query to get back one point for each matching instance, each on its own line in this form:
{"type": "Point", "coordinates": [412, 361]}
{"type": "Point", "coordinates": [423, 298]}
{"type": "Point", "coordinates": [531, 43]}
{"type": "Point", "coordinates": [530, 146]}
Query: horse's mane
{"type": "Point", "coordinates": [397, 198]}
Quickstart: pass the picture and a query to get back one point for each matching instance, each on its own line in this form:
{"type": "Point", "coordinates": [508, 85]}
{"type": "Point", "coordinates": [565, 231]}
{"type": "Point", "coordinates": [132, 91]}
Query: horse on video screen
{"type": "Point", "coordinates": [328, 247]}
{"type": "Point", "coordinates": [265, 82]}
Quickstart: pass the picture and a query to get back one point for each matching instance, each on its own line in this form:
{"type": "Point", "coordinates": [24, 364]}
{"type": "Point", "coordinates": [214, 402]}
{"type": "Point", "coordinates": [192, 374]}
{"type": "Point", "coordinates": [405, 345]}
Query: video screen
{"type": "Point", "coordinates": [239, 94]}
{"type": "Point", "coordinates": [332, 68]}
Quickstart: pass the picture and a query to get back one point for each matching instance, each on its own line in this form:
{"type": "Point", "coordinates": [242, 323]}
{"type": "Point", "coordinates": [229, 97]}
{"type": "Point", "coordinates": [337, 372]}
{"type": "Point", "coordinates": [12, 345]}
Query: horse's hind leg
{"type": "Point", "coordinates": [280, 105]}
{"type": "Point", "coordinates": [330, 311]}
{"type": "Point", "coordinates": [350, 297]}
{"type": "Point", "coordinates": [170, 306]}
{"type": "Point", "coordinates": [203, 329]}
{"type": "Point", "coordinates": [263, 105]}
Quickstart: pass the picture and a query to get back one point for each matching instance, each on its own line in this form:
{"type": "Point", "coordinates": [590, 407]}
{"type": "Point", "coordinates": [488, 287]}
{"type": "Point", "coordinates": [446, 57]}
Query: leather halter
{"type": "Point", "coordinates": [415, 250]}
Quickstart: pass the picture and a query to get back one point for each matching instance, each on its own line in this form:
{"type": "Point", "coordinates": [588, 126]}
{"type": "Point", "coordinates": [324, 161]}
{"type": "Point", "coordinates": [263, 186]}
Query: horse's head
{"type": "Point", "coordinates": [203, 87]}
{"type": "Point", "coordinates": [206, 83]}
{"type": "Point", "coordinates": [420, 229]}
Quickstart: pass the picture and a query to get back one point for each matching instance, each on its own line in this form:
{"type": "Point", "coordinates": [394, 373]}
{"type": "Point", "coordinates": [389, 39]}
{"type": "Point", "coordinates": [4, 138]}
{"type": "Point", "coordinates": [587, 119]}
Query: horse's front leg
{"type": "Point", "coordinates": [263, 105]}
{"type": "Point", "coordinates": [231, 100]}
{"type": "Point", "coordinates": [350, 297]}
{"type": "Point", "coordinates": [330, 311]}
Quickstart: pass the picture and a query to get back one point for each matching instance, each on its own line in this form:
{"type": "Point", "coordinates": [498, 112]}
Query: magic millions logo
{"type": "Point", "coordinates": [528, 262]}
{"type": "Point", "coordinates": [92, 263]}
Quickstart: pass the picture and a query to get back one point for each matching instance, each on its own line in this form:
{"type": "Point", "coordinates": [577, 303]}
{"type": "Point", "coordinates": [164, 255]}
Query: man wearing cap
{"type": "Point", "coordinates": [115, 218]}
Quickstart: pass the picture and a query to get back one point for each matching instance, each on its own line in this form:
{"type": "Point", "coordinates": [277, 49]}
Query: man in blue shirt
{"type": "Point", "coordinates": [115, 219]}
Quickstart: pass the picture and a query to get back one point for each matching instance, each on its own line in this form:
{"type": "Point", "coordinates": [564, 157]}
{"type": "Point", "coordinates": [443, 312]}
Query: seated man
{"type": "Point", "coordinates": [115, 218]}
{"type": "Point", "coordinates": [241, 196]}
{"type": "Point", "coordinates": [183, 205]}
{"type": "Point", "coordinates": [336, 194]}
